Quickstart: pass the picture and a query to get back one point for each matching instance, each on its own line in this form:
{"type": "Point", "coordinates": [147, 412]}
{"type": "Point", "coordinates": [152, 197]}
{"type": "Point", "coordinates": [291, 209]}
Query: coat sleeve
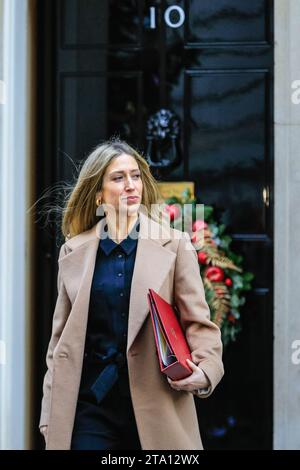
{"type": "Point", "coordinates": [61, 313]}
{"type": "Point", "coordinates": [202, 335]}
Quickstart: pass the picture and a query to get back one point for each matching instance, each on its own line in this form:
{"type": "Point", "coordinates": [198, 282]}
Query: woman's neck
{"type": "Point", "coordinates": [120, 228]}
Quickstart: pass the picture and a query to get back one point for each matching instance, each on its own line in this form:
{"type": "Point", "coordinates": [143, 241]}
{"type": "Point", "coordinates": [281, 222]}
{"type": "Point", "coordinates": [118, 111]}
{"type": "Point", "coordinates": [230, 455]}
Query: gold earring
{"type": "Point", "coordinates": [100, 210]}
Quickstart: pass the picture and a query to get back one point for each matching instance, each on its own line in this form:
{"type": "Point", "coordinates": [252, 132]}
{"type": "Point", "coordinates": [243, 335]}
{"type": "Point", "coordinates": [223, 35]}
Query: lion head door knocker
{"type": "Point", "coordinates": [163, 137]}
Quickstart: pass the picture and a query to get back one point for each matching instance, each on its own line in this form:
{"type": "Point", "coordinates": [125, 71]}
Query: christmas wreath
{"type": "Point", "coordinates": [221, 269]}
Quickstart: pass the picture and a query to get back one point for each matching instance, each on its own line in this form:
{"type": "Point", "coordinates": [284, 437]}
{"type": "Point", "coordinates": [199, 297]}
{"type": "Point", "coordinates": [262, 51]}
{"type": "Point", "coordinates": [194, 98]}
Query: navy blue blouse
{"type": "Point", "coordinates": [105, 362]}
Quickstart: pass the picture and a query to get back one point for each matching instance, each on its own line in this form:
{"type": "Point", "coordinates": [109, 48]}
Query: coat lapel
{"type": "Point", "coordinates": [152, 265]}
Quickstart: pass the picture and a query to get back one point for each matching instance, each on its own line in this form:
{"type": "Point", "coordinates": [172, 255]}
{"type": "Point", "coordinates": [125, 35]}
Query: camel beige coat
{"type": "Point", "coordinates": [167, 262]}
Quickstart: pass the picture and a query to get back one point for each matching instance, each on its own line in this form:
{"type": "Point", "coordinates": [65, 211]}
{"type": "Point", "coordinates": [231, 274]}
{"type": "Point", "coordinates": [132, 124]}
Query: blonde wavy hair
{"type": "Point", "coordinates": [78, 211]}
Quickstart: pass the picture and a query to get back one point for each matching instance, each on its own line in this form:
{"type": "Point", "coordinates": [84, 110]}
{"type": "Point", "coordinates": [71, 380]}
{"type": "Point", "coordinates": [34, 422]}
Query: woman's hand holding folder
{"type": "Point", "coordinates": [197, 380]}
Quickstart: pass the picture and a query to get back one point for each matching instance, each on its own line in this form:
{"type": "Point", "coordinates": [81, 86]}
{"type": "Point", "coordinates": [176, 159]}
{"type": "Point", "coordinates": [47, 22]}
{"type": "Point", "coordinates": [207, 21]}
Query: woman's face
{"type": "Point", "coordinates": [122, 181]}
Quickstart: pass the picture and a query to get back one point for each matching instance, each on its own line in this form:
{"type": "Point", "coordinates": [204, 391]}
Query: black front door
{"type": "Point", "coordinates": [105, 67]}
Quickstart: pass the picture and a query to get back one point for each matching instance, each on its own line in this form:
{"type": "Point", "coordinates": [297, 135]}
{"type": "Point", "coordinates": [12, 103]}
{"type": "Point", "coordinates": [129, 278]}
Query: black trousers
{"type": "Point", "coordinates": [108, 425]}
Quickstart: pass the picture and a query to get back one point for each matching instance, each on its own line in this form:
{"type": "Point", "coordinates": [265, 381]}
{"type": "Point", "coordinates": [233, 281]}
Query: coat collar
{"type": "Point", "coordinates": [152, 265]}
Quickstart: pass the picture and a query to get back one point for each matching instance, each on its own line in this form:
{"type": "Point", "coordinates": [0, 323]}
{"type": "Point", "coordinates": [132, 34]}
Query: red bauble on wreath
{"type": "Point", "coordinates": [174, 211]}
{"type": "Point", "coordinates": [214, 274]}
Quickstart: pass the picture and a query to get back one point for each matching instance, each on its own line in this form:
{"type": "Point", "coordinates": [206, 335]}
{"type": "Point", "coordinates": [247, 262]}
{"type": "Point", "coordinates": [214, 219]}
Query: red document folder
{"type": "Point", "coordinates": [171, 344]}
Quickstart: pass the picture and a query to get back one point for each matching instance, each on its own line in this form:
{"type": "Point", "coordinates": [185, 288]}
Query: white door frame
{"type": "Point", "coordinates": [14, 370]}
